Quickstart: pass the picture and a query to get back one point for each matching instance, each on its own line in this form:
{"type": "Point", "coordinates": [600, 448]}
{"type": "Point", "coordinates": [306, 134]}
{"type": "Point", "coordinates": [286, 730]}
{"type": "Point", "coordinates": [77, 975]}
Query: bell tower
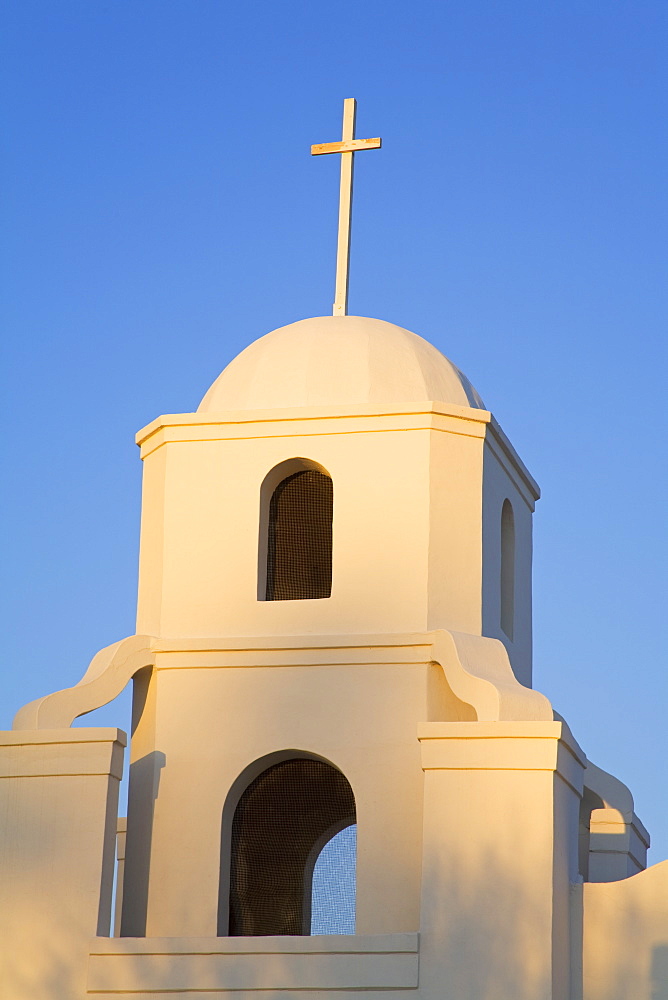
{"type": "Point", "coordinates": [340, 497]}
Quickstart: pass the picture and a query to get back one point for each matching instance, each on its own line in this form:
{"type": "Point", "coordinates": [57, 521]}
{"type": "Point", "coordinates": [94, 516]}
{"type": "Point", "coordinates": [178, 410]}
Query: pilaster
{"type": "Point", "coordinates": [58, 808]}
{"type": "Point", "coordinates": [500, 851]}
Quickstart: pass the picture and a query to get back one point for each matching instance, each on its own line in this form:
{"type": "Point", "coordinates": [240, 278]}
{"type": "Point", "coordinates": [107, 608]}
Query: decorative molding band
{"type": "Point", "coordinates": [61, 752]}
{"type": "Point", "coordinates": [503, 746]}
{"type": "Point", "coordinates": [477, 669]}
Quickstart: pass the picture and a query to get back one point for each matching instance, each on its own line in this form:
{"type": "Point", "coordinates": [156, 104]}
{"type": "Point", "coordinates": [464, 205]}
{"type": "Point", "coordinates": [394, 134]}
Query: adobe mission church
{"type": "Point", "coordinates": [333, 631]}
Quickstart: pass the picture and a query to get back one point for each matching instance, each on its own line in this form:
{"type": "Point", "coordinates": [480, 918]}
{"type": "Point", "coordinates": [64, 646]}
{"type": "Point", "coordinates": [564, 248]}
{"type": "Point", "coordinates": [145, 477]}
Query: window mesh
{"type": "Point", "coordinates": [299, 550]}
{"type": "Point", "coordinates": [280, 822]}
{"type": "Point", "coordinates": [334, 885]}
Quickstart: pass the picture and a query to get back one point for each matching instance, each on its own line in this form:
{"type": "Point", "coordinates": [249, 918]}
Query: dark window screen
{"type": "Point", "coordinates": [299, 550]}
{"type": "Point", "coordinates": [280, 822]}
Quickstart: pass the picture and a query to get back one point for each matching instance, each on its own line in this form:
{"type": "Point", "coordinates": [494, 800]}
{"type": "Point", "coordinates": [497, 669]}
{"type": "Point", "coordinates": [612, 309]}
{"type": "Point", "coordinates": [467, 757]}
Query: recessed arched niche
{"type": "Point", "coordinates": [508, 569]}
{"type": "Point", "coordinates": [295, 532]}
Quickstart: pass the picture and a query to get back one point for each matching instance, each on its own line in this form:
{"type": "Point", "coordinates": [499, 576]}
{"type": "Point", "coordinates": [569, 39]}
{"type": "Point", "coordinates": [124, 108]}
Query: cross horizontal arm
{"type": "Point", "coordinates": [347, 146]}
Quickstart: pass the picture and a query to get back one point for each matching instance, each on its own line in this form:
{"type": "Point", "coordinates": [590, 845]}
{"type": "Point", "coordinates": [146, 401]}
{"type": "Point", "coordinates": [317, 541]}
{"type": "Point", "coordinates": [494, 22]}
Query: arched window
{"type": "Point", "coordinates": [282, 822]}
{"type": "Point", "coordinates": [507, 569]}
{"type": "Point", "coordinates": [296, 534]}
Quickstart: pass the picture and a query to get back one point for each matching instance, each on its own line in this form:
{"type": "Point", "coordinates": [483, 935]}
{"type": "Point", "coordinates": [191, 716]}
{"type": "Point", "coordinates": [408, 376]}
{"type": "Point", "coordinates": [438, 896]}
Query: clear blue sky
{"type": "Point", "coordinates": [162, 210]}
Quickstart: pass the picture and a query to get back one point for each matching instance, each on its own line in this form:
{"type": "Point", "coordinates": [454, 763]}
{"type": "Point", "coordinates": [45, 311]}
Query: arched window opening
{"type": "Point", "coordinates": [507, 569]}
{"type": "Point", "coordinates": [299, 538]}
{"type": "Point", "coordinates": [281, 824]}
{"type": "Point", "coordinates": [334, 885]}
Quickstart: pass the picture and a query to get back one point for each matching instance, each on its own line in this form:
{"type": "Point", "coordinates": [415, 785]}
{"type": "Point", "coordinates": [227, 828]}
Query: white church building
{"type": "Point", "coordinates": [333, 631]}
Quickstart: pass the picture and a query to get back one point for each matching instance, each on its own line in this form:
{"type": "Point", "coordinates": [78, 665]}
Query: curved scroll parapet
{"type": "Point", "coordinates": [615, 796]}
{"type": "Point", "coordinates": [107, 674]}
{"type": "Point", "coordinates": [478, 670]}
{"type": "Point", "coordinates": [613, 793]}
{"type": "Point", "coordinates": [618, 840]}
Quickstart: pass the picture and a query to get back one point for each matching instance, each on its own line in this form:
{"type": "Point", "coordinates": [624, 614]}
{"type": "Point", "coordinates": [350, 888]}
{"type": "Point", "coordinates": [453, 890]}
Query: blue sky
{"type": "Point", "coordinates": [162, 211]}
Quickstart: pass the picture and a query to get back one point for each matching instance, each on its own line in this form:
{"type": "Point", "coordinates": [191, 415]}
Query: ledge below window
{"type": "Point", "coordinates": [181, 966]}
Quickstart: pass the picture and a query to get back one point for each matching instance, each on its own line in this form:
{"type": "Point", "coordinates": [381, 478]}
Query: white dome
{"type": "Point", "coordinates": [338, 361]}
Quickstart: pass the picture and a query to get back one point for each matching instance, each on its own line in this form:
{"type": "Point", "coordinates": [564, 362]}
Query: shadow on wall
{"type": "Point", "coordinates": [144, 777]}
{"type": "Point", "coordinates": [495, 931]}
{"type": "Point", "coordinates": [660, 972]}
{"type": "Point", "coordinates": [57, 973]}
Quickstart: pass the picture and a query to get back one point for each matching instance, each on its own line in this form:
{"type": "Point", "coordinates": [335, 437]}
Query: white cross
{"type": "Point", "coordinates": [348, 146]}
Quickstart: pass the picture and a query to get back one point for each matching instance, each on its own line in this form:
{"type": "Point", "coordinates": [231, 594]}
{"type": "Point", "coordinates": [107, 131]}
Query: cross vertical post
{"type": "Point", "coordinates": [347, 148]}
{"type": "Point", "coordinates": [345, 211]}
